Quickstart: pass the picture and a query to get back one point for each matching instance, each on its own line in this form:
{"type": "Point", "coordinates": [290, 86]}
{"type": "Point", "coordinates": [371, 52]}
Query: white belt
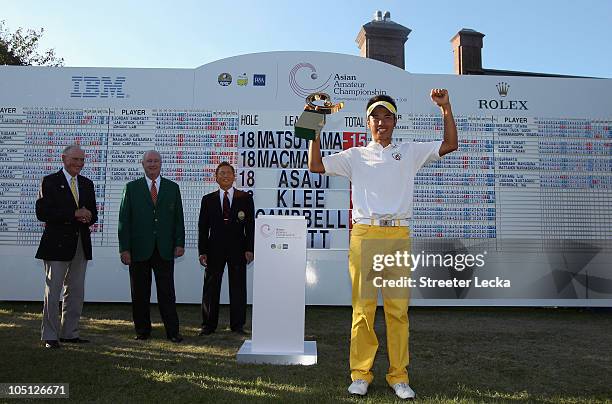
{"type": "Point", "coordinates": [382, 222]}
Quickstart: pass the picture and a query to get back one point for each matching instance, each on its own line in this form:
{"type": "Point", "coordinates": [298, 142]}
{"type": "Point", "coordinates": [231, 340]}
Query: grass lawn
{"type": "Point", "coordinates": [457, 355]}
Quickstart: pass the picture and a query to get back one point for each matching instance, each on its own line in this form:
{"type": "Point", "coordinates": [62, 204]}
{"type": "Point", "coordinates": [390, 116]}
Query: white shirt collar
{"type": "Point", "coordinates": [230, 195]}
{"type": "Point", "coordinates": [69, 177]}
{"type": "Point", "coordinates": [375, 145]}
{"type": "Point", "coordinates": [230, 192]}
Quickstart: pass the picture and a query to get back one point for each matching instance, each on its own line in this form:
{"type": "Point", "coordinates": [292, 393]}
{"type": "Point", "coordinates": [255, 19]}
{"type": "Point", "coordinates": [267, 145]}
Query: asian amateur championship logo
{"type": "Point", "coordinates": [304, 80]}
{"type": "Point", "coordinates": [265, 230]}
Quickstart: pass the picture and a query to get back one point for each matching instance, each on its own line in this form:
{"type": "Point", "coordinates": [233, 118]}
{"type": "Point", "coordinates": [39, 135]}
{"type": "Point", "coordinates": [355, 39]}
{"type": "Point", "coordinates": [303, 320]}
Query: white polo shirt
{"type": "Point", "coordinates": [382, 179]}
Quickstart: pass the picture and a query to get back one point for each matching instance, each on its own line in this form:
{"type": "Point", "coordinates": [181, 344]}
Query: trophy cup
{"type": "Point", "coordinates": [312, 120]}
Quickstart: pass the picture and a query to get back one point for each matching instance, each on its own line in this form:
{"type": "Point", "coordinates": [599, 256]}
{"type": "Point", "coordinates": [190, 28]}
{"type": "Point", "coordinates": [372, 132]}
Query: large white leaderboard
{"type": "Point", "coordinates": [192, 143]}
{"type": "Point", "coordinates": [531, 183]}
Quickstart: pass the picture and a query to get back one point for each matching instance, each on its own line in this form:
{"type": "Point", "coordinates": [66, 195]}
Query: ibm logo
{"type": "Point", "coordinates": [97, 87]}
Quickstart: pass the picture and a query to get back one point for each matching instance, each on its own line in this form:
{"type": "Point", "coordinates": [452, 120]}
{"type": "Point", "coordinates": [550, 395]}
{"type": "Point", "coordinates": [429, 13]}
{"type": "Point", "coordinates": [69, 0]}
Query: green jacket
{"type": "Point", "coordinates": [142, 226]}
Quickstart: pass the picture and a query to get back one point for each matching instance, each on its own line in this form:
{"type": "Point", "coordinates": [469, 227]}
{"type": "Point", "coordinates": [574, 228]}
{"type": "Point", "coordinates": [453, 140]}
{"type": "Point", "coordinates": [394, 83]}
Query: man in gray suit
{"type": "Point", "coordinates": [67, 204]}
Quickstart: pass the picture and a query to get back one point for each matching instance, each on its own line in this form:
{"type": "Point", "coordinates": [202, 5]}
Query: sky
{"type": "Point", "coordinates": [549, 36]}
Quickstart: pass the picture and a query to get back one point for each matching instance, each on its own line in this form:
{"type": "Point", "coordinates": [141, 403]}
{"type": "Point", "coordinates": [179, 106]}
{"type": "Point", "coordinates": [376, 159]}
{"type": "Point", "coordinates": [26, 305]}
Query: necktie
{"type": "Point", "coordinates": [75, 195]}
{"type": "Point", "coordinates": [154, 192]}
{"type": "Point", "coordinates": [226, 208]}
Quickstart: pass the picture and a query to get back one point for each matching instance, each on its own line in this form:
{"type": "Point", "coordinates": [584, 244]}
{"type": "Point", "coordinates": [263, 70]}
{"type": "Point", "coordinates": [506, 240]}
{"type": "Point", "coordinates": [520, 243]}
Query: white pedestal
{"type": "Point", "coordinates": [279, 275]}
{"type": "Point", "coordinates": [307, 357]}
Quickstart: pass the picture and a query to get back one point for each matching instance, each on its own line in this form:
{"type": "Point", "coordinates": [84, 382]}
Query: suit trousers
{"type": "Point", "coordinates": [69, 275]}
{"type": "Point", "coordinates": [140, 284]}
{"type": "Point", "coordinates": [211, 292]}
{"type": "Point", "coordinates": [365, 241]}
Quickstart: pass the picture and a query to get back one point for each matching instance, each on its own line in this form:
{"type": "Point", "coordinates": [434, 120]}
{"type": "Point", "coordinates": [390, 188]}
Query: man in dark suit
{"type": "Point", "coordinates": [151, 235]}
{"type": "Point", "coordinates": [226, 230]}
{"type": "Point", "coordinates": [67, 204]}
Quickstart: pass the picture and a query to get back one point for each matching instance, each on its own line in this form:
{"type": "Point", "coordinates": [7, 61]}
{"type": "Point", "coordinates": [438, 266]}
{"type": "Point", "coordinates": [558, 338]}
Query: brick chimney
{"type": "Point", "coordinates": [383, 39]}
{"type": "Point", "coordinates": [467, 50]}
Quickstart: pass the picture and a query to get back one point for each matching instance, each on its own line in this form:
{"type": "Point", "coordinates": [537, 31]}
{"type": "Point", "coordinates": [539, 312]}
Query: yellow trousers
{"type": "Point", "coordinates": [364, 343]}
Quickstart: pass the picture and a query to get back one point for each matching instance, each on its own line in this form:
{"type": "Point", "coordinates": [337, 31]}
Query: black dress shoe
{"type": "Point", "coordinates": [52, 344]}
{"type": "Point", "coordinates": [239, 331]}
{"type": "Point", "coordinates": [76, 340]}
{"type": "Point", "coordinates": [176, 338]}
{"type": "Point", "coordinates": [141, 337]}
{"type": "Point", "coordinates": [206, 331]}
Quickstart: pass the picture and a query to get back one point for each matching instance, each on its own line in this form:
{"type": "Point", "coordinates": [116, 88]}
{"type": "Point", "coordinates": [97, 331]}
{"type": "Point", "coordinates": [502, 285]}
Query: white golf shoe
{"type": "Point", "coordinates": [359, 387]}
{"type": "Point", "coordinates": [403, 391]}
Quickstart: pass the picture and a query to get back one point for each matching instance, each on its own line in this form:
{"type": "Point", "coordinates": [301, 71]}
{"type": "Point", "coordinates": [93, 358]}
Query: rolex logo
{"type": "Point", "coordinates": [502, 88]}
{"type": "Point", "coordinates": [502, 102]}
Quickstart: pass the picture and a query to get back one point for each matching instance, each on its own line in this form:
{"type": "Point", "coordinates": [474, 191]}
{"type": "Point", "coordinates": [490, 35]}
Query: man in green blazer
{"type": "Point", "coordinates": [151, 235]}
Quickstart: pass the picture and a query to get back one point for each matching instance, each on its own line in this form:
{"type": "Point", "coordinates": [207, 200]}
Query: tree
{"type": "Point", "coordinates": [21, 48]}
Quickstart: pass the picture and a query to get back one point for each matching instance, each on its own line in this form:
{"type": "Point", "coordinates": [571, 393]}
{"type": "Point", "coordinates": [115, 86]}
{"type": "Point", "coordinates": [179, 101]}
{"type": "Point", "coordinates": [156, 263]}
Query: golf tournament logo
{"type": "Point", "coordinates": [259, 80]}
{"type": "Point", "coordinates": [242, 80]}
{"type": "Point", "coordinates": [304, 80]}
{"type": "Point", "coordinates": [225, 79]}
{"type": "Point", "coordinates": [265, 230]}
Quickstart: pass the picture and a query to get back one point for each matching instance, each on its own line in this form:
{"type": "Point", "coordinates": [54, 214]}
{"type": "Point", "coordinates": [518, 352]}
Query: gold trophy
{"type": "Point", "coordinates": [312, 120]}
